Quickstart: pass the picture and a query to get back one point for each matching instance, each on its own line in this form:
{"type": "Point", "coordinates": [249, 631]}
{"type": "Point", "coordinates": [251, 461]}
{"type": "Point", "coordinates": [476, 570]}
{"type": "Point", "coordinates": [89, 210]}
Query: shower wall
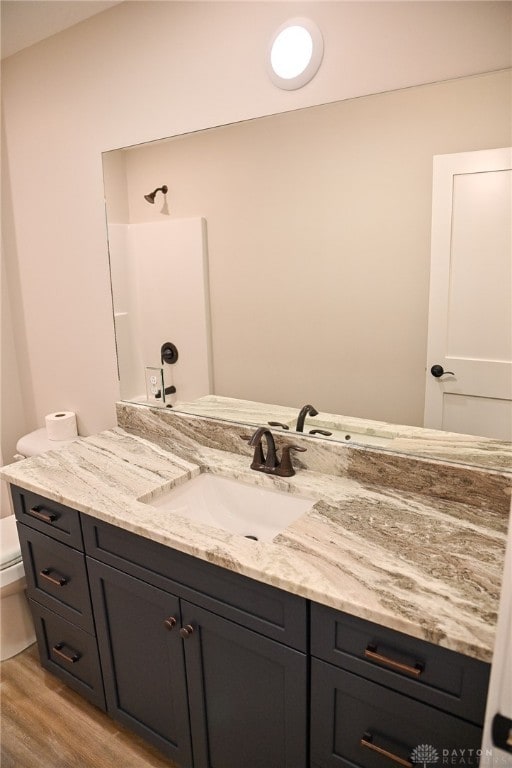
{"type": "Point", "coordinates": [160, 293]}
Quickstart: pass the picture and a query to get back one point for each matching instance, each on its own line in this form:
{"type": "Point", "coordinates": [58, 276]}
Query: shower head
{"type": "Point", "coordinates": [151, 197]}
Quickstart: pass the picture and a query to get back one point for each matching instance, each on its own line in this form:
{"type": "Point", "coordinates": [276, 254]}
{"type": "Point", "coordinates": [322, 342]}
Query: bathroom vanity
{"type": "Point", "coordinates": [359, 634]}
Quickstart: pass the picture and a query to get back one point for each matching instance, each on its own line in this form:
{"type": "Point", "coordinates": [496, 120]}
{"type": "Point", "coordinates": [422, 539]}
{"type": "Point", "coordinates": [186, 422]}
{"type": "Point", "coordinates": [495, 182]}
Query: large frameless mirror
{"type": "Point", "coordinates": [296, 249]}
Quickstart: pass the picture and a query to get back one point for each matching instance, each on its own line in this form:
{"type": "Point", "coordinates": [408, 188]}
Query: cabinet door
{"type": "Point", "coordinates": [142, 659]}
{"type": "Point", "coordinates": [247, 695]}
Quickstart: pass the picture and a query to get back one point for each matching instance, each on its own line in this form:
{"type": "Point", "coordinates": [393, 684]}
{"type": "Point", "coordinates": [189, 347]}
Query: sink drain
{"type": "Point", "coordinates": [250, 536]}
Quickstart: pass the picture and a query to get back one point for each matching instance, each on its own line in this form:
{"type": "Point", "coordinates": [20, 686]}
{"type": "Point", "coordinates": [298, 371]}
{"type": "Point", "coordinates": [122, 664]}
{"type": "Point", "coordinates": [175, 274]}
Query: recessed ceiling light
{"type": "Point", "coordinates": [295, 53]}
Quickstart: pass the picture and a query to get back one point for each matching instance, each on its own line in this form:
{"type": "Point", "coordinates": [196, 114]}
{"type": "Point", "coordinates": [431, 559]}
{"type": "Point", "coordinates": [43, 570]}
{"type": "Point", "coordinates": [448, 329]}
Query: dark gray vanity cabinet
{"type": "Point", "coordinates": [378, 696]}
{"type": "Point", "coordinates": [58, 589]}
{"type": "Point", "coordinates": [221, 671]}
{"type": "Point", "coordinates": [198, 673]}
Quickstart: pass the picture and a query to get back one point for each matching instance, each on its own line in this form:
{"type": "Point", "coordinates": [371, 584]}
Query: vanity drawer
{"type": "Point", "coordinates": [425, 671]}
{"type": "Point", "coordinates": [70, 653]}
{"type": "Point", "coordinates": [355, 722]}
{"type": "Point", "coordinates": [63, 523]}
{"type": "Point", "coordinates": [56, 577]}
{"type": "Point", "coordinates": [260, 607]}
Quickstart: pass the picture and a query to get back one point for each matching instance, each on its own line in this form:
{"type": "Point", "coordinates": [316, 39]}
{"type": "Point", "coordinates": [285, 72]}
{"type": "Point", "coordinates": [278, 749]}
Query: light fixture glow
{"type": "Point", "coordinates": [291, 52]}
{"type": "Point", "coordinates": [295, 53]}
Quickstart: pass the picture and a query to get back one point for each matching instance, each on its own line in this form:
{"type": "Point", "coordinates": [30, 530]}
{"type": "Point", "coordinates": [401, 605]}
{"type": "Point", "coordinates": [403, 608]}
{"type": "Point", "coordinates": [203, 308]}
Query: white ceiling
{"type": "Point", "coordinates": [25, 22]}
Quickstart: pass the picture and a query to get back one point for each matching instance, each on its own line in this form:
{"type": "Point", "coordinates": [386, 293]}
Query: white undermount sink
{"type": "Point", "coordinates": [236, 507]}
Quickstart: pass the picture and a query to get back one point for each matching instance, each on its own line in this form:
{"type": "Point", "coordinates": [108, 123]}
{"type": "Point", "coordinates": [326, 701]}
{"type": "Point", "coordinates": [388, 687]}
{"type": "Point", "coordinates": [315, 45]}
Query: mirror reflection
{"type": "Point", "coordinates": [309, 237]}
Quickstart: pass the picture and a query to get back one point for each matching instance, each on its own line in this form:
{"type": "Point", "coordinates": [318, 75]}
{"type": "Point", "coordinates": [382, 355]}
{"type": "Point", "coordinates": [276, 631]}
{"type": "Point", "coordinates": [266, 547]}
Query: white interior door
{"type": "Point", "coordinates": [470, 309]}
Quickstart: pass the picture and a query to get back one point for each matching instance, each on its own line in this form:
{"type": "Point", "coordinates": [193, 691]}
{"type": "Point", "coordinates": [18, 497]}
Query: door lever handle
{"type": "Point", "coordinates": [502, 732]}
{"type": "Point", "coordinates": [437, 371]}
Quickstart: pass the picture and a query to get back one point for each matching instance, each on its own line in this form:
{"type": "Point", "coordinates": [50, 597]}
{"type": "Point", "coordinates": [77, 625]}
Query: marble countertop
{"type": "Point", "coordinates": [423, 566]}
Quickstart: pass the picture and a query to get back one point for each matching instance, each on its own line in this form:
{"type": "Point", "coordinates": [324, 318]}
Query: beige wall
{"type": "Point", "coordinates": [15, 392]}
{"type": "Point", "coordinates": [144, 70]}
{"type": "Point", "coordinates": [319, 239]}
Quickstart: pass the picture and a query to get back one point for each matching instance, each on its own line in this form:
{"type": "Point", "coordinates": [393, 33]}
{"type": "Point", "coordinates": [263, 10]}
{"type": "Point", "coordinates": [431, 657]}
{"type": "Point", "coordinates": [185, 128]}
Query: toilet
{"type": "Point", "coordinates": [16, 625]}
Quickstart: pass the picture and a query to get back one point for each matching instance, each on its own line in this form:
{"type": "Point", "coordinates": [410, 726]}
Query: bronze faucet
{"type": "Point", "coordinates": [269, 462]}
{"type": "Point", "coordinates": [304, 411]}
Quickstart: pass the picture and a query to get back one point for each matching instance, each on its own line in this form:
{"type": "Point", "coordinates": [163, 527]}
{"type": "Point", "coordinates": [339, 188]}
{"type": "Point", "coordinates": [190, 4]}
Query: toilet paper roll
{"type": "Point", "coordinates": [61, 425]}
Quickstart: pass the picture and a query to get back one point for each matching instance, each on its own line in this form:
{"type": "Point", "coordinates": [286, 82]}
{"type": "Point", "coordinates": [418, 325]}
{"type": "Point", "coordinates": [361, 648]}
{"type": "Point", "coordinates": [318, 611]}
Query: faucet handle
{"type": "Point", "coordinates": [258, 457]}
{"type": "Point", "coordinates": [285, 467]}
{"type": "Point", "coordinates": [323, 432]}
{"type": "Point", "coordinates": [278, 424]}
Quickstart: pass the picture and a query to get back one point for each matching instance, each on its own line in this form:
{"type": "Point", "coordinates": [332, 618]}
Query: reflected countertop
{"type": "Point", "coordinates": [471, 450]}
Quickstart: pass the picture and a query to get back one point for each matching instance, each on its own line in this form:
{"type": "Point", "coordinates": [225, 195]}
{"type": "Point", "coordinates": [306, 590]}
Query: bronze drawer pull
{"type": "Point", "coordinates": [170, 623]}
{"type": "Point", "coordinates": [58, 580]}
{"type": "Point", "coordinates": [46, 517]}
{"type": "Point", "coordinates": [367, 741]}
{"type": "Point", "coordinates": [186, 631]}
{"type": "Point", "coordinates": [371, 653]}
{"type": "Point", "coordinates": [70, 658]}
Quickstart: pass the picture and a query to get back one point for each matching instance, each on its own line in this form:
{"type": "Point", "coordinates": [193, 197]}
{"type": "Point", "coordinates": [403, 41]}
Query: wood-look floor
{"type": "Point", "coordinates": [44, 724]}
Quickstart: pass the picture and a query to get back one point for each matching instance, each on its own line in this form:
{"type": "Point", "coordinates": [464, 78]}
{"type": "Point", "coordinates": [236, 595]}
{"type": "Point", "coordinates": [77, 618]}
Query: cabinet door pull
{"type": "Point", "coordinates": [372, 654]}
{"type": "Point", "coordinates": [58, 580]}
{"type": "Point", "coordinates": [47, 517]}
{"type": "Point", "coordinates": [186, 631]}
{"type": "Point", "coordinates": [71, 658]}
{"type": "Point", "coordinates": [170, 623]}
{"type": "Point", "coordinates": [367, 741]}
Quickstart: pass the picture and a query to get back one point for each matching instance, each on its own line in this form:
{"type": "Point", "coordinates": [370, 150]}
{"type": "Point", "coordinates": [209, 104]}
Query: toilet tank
{"type": "Point", "coordinates": [38, 442]}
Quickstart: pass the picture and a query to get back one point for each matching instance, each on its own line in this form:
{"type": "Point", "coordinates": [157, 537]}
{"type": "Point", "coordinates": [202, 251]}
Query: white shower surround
{"type": "Point", "coordinates": [160, 292]}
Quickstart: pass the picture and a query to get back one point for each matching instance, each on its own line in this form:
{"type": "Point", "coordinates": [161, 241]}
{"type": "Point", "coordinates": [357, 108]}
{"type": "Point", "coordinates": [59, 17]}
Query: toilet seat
{"type": "Point", "coordinates": [10, 552]}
